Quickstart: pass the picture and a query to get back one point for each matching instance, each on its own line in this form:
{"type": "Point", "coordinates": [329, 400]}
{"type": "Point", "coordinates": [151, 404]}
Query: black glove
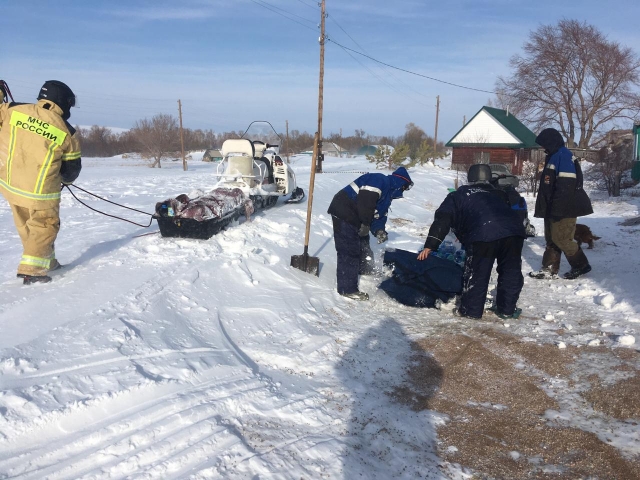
{"type": "Point", "coordinates": [364, 230]}
{"type": "Point", "coordinates": [382, 236]}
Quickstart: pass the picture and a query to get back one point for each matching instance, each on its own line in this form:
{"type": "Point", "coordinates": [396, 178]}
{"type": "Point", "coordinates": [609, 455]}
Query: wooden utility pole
{"type": "Point", "coordinates": [435, 138]}
{"type": "Point", "coordinates": [321, 88]}
{"type": "Point", "coordinates": [184, 160]}
{"type": "Point", "coordinates": [288, 147]}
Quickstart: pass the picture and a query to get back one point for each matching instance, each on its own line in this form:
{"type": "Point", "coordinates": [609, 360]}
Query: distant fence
{"type": "Point", "coordinates": [592, 156]}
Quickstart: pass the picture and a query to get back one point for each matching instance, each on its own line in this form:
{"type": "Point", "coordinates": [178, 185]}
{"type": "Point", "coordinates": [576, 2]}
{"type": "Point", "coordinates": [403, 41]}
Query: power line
{"type": "Point", "coordinates": [273, 8]}
{"type": "Point", "coordinates": [415, 73]}
{"type": "Point", "coordinates": [380, 78]}
{"type": "Point", "coordinates": [327, 38]}
{"type": "Point", "coordinates": [288, 15]}
{"type": "Point", "coordinates": [287, 12]}
{"type": "Point", "coordinates": [310, 6]}
{"type": "Point", "coordinates": [363, 49]}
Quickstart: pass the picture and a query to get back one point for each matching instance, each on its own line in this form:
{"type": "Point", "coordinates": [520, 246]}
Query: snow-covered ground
{"type": "Point", "coordinates": [151, 357]}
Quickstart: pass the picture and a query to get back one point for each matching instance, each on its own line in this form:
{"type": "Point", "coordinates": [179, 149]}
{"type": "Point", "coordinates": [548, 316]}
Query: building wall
{"type": "Point", "coordinates": [463, 157]}
{"type": "Point", "coordinates": [483, 128]}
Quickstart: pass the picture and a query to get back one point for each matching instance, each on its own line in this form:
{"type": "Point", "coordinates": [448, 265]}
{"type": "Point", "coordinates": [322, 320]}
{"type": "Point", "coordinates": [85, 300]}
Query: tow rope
{"type": "Point", "coordinates": [113, 203]}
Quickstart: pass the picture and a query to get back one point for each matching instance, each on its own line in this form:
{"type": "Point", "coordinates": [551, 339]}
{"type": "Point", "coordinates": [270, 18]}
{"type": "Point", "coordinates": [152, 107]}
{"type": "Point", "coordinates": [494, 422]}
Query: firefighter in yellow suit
{"type": "Point", "coordinates": [39, 151]}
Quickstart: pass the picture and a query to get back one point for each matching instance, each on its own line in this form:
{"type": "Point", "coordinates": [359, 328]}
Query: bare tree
{"type": "Point", "coordinates": [530, 176]}
{"type": "Point", "coordinates": [571, 76]}
{"type": "Point", "coordinates": [413, 138]}
{"type": "Point", "coordinates": [158, 137]}
{"type": "Point", "coordinates": [616, 159]}
{"type": "Point", "coordinates": [101, 139]}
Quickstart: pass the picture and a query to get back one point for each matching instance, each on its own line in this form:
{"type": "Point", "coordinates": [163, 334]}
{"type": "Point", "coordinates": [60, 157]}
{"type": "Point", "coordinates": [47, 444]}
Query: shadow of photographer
{"type": "Point", "coordinates": [391, 432]}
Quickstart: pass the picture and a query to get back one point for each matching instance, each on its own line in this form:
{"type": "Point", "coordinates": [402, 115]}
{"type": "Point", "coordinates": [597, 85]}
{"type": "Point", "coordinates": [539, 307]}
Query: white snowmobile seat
{"type": "Point", "coordinates": [259, 147]}
{"type": "Point", "coordinates": [240, 146]}
{"type": "Point", "coordinates": [239, 153]}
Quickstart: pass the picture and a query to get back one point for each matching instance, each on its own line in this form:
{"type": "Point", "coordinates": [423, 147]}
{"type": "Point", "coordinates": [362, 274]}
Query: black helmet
{"type": "Point", "coordinates": [58, 93]}
{"type": "Point", "coordinates": [480, 172]}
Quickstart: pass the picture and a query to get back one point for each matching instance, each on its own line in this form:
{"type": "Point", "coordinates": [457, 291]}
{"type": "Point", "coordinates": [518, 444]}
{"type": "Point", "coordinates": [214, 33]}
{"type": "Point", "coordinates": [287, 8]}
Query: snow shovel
{"type": "Point", "coordinates": [304, 262]}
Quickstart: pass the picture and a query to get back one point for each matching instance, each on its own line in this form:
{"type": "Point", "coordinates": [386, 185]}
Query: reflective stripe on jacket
{"type": "Point", "coordinates": [561, 193]}
{"type": "Point", "coordinates": [38, 151]}
{"type": "Point", "coordinates": [367, 199]}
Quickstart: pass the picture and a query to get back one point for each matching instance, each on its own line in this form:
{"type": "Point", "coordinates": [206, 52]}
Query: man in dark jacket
{"type": "Point", "coordinates": [482, 219]}
{"type": "Point", "coordinates": [561, 199]}
{"type": "Point", "coordinates": [359, 208]}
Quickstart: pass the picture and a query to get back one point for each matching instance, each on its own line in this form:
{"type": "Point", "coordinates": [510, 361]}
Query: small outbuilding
{"type": "Point", "coordinates": [494, 136]}
{"type": "Point", "coordinates": [329, 149]}
{"type": "Point", "coordinates": [372, 149]}
{"type": "Point", "coordinates": [212, 155]}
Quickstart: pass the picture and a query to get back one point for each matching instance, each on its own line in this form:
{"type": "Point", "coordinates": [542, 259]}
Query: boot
{"type": "Point", "coordinates": [356, 295]}
{"type": "Point", "coordinates": [516, 313]}
{"type": "Point", "coordinates": [550, 264]}
{"type": "Point", "coordinates": [55, 265]}
{"type": "Point", "coordinates": [31, 279]}
{"type": "Point", "coordinates": [579, 265]}
{"type": "Point", "coordinates": [457, 313]}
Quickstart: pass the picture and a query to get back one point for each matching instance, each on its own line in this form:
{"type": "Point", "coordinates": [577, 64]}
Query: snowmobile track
{"type": "Point", "coordinates": [160, 416]}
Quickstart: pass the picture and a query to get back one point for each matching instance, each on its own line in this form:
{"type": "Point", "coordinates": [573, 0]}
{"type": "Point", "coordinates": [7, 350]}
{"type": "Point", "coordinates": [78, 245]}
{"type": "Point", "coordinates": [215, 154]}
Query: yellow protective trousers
{"type": "Point", "coordinates": [38, 230]}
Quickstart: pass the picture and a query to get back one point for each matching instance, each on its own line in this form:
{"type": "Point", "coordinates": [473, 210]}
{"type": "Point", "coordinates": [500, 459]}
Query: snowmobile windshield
{"type": "Point", "coordinates": [263, 131]}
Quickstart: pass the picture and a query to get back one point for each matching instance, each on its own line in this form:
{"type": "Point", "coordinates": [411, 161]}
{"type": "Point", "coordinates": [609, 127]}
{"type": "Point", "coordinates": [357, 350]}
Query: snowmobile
{"type": "Point", "coordinates": [251, 176]}
{"type": "Point", "coordinates": [256, 168]}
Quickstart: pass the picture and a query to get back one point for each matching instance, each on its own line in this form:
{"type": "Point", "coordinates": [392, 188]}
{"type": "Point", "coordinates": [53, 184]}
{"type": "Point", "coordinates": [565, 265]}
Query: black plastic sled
{"type": "Point", "coordinates": [190, 228]}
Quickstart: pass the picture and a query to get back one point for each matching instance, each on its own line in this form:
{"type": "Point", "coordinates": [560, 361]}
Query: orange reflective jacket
{"type": "Point", "coordinates": [38, 151]}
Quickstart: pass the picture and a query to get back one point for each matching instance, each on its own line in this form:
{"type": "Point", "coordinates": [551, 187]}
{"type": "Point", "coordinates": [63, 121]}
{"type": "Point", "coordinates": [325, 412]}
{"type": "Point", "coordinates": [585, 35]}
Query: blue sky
{"type": "Point", "coordinates": [234, 61]}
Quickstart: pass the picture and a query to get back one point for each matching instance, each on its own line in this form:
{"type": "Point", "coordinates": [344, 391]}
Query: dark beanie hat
{"type": "Point", "coordinates": [550, 139]}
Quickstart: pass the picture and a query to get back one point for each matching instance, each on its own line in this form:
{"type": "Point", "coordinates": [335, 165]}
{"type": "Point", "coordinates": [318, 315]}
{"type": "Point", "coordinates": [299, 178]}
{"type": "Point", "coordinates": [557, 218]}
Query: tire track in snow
{"type": "Point", "coordinates": [153, 413]}
{"type": "Point", "coordinates": [78, 302]}
{"type": "Point", "coordinates": [71, 457]}
{"type": "Point", "coordinates": [80, 442]}
{"type": "Point", "coordinates": [142, 296]}
{"type": "Point", "coordinates": [20, 379]}
{"type": "Point", "coordinates": [170, 431]}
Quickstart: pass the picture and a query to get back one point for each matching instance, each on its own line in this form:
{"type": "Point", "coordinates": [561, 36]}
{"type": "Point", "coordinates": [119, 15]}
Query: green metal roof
{"type": "Point", "coordinates": [367, 150]}
{"type": "Point", "coordinates": [510, 122]}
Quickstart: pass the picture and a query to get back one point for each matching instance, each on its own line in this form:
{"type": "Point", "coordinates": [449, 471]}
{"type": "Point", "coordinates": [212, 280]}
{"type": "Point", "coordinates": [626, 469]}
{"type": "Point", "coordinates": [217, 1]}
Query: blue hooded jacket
{"type": "Point", "coordinates": [367, 199]}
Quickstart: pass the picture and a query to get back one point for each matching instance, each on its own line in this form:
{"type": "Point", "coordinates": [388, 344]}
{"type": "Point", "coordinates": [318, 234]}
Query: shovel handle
{"type": "Point", "coordinates": [310, 199]}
